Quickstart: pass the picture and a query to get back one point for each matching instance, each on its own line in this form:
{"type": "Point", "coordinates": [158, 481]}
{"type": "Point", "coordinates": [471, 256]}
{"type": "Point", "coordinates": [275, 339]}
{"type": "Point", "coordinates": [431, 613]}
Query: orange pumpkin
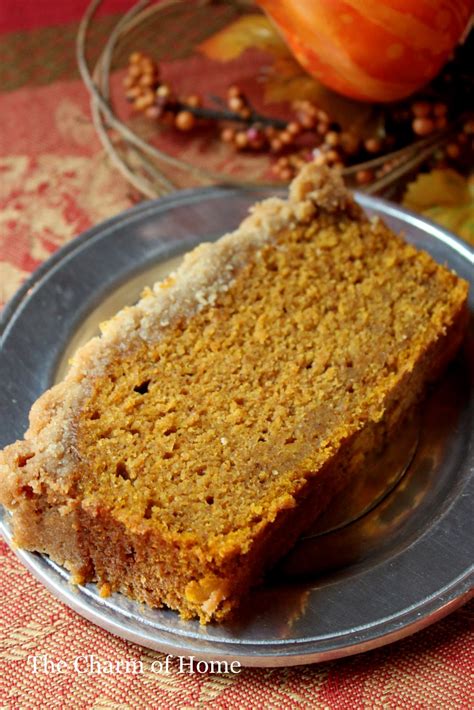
{"type": "Point", "coordinates": [374, 50]}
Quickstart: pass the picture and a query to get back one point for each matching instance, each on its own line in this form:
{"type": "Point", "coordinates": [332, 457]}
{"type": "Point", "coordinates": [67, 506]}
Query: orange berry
{"type": "Point", "coordinates": [148, 65]}
{"type": "Point", "coordinates": [332, 156]}
{"type": "Point", "coordinates": [349, 143]}
{"type": "Point", "coordinates": [133, 93]}
{"type": "Point", "coordinates": [373, 145]}
{"type": "Point", "coordinates": [184, 121]}
{"type": "Point", "coordinates": [193, 100]}
{"type": "Point", "coordinates": [453, 151]}
{"type": "Point", "coordinates": [307, 120]}
{"type": "Point", "coordinates": [233, 91]}
{"type": "Point", "coordinates": [144, 101]}
{"type": "Point", "coordinates": [421, 109]}
{"type": "Point", "coordinates": [294, 128]}
{"type": "Point", "coordinates": [163, 91]}
{"type": "Point", "coordinates": [286, 174]}
{"type": "Point", "coordinates": [241, 139]}
{"type": "Point", "coordinates": [134, 71]}
{"type": "Point", "coordinates": [285, 137]}
{"type": "Point", "coordinates": [385, 169]}
{"type": "Point", "coordinates": [423, 126]}
{"type": "Point", "coordinates": [235, 103]}
{"type": "Point", "coordinates": [332, 139]}
{"type": "Point", "coordinates": [320, 159]}
{"type": "Point", "coordinates": [135, 57]}
{"type": "Point", "coordinates": [468, 127]}
{"type": "Point", "coordinates": [364, 177]}
{"type": "Point", "coordinates": [153, 112]}
{"type": "Point", "coordinates": [228, 135]}
{"type": "Point", "coordinates": [147, 80]}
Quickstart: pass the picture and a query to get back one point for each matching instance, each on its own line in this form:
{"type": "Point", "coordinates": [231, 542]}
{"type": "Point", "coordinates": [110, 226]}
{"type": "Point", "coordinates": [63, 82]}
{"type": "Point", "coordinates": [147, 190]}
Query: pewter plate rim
{"type": "Point", "coordinates": [186, 641]}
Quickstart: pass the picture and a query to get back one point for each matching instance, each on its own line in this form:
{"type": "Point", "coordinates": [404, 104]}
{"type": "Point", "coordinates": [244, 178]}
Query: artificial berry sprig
{"type": "Point", "coordinates": [148, 93]}
{"type": "Point", "coordinates": [311, 134]}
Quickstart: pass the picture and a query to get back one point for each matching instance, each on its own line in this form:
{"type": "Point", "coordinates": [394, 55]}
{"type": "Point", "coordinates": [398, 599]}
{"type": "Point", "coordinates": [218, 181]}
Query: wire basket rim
{"type": "Point", "coordinates": [97, 82]}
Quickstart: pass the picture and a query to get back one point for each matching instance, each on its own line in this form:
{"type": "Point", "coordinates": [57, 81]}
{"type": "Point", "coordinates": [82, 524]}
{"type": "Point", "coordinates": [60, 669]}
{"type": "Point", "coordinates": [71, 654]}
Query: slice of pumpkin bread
{"type": "Point", "coordinates": [194, 440]}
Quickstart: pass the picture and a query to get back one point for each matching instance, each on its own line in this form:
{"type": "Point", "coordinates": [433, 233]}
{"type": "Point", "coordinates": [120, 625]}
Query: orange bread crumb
{"type": "Point", "coordinates": [193, 442]}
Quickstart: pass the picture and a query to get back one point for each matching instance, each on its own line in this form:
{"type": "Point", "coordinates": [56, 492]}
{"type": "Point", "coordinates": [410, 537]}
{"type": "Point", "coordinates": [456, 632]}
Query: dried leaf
{"type": "Point", "coordinates": [286, 80]}
{"type": "Point", "coordinates": [446, 197]}
{"type": "Point", "coordinates": [249, 31]}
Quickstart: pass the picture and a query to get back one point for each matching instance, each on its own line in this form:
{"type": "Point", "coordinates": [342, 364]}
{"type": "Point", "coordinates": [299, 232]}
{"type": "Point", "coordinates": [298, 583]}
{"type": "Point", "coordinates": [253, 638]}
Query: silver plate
{"type": "Point", "coordinates": [404, 562]}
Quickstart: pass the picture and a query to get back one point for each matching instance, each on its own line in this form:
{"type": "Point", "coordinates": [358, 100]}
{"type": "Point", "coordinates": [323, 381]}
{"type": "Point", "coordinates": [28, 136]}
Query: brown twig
{"type": "Point", "coordinates": [254, 117]}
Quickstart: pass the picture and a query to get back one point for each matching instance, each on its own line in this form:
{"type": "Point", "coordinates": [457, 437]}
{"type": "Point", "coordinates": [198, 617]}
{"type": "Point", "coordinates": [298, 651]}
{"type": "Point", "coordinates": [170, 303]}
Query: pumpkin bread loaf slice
{"type": "Point", "coordinates": [194, 440]}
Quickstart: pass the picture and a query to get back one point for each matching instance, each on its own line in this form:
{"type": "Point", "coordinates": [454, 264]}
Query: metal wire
{"type": "Point", "coordinates": [106, 114]}
{"type": "Point", "coordinates": [146, 176]}
{"type": "Point", "coordinates": [102, 115]}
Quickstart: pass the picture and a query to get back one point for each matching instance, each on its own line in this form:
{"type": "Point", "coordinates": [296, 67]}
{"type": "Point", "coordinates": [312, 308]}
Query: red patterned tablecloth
{"type": "Point", "coordinates": [55, 181]}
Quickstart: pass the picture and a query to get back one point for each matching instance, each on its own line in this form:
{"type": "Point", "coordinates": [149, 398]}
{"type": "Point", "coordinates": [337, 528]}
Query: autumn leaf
{"type": "Point", "coordinates": [446, 197]}
{"type": "Point", "coordinates": [249, 31]}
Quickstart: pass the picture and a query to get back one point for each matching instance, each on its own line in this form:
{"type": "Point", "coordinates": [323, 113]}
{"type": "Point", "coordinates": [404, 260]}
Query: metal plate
{"type": "Point", "coordinates": [404, 562]}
